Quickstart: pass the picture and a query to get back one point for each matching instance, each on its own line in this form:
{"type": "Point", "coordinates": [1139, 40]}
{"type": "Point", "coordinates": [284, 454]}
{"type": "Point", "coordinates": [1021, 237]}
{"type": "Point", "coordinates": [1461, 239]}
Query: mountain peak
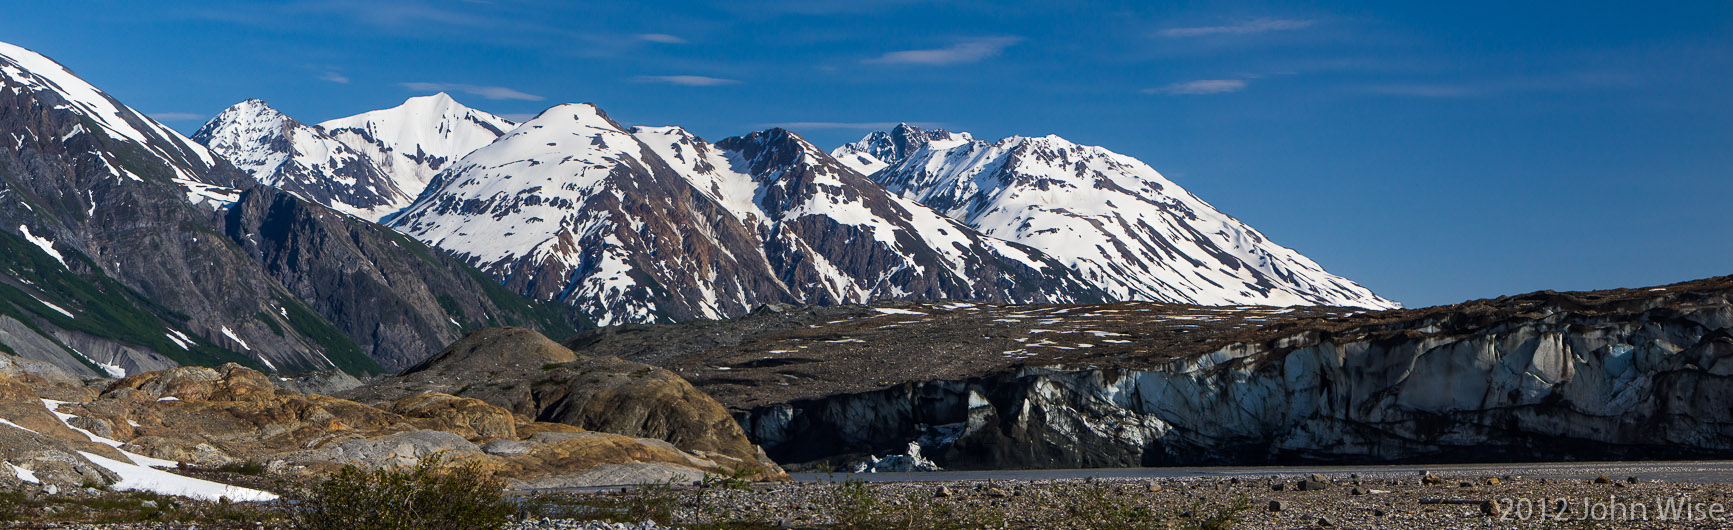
{"type": "Point", "coordinates": [883, 148]}
{"type": "Point", "coordinates": [416, 140]}
{"type": "Point", "coordinates": [252, 110]}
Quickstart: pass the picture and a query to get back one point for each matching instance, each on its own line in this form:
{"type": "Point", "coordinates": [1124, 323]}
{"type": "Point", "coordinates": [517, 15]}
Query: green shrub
{"type": "Point", "coordinates": [250, 467]}
{"type": "Point", "coordinates": [423, 497]}
{"type": "Point", "coordinates": [11, 505]}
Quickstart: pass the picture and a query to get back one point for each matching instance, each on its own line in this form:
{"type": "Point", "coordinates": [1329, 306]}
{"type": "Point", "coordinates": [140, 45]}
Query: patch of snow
{"type": "Point", "coordinates": [232, 336]}
{"type": "Point", "coordinates": [135, 477]}
{"type": "Point", "coordinates": [62, 310]}
{"type": "Point", "coordinates": [3, 421]}
{"type": "Point", "coordinates": [24, 474]}
{"type": "Point", "coordinates": [894, 311]}
{"type": "Point", "coordinates": [177, 340]}
{"type": "Point", "coordinates": [45, 244]}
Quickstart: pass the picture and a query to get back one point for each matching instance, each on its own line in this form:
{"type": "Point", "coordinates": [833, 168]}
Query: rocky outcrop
{"type": "Point", "coordinates": [1548, 376]}
{"type": "Point", "coordinates": [446, 412]}
{"type": "Point", "coordinates": [216, 416]}
{"type": "Point", "coordinates": [528, 375]}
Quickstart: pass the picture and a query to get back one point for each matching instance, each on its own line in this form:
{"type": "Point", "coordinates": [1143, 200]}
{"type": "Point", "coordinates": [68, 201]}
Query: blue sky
{"type": "Point", "coordinates": [1435, 152]}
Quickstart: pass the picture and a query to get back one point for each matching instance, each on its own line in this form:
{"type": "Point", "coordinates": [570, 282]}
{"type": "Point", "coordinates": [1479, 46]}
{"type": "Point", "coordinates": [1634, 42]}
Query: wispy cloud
{"type": "Point", "coordinates": [176, 116]}
{"type": "Point", "coordinates": [967, 51]}
{"type": "Point", "coordinates": [488, 92]}
{"type": "Point", "coordinates": [1262, 25]}
{"type": "Point", "coordinates": [334, 77]}
{"type": "Point", "coordinates": [1200, 87]}
{"type": "Point", "coordinates": [849, 125]}
{"type": "Point", "coordinates": [686, 80]}
{"type": "Point", "coordinates": [663, 38]}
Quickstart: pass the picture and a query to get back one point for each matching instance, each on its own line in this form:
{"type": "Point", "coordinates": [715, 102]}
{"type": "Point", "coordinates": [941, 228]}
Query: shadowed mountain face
{"type": "Point", "coordinates": [126, 251]}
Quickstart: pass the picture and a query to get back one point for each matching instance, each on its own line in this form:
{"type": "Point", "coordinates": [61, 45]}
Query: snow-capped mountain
{"type": "Point", "coordinates": [301, 159]}
{"type": "Point", "coordinates": [883, 148]}
{"type": "Point", "coordinates": [648, 224]}
{"type": "Point", "coordinates": [1110, 217]}
{"type": "Point", "coordinates": [414, 141]}
{"type": "Point", "coordinates": [370, 165]}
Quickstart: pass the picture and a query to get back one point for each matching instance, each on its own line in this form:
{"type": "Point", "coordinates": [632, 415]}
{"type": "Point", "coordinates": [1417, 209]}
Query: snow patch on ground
{"type": "Point", "coordinates": [893, 311]}
{"type": "Point", "coordinates": [140, 478]}
{"type": "Point", "coordinates": [47, 245]}
{"type": "Point", "coordinates": [232, 336]}
{"type": "Point", "coordinates": [16, 426]}
{"type": "Point", "coordinates": [62, 310]}
{"type": "Point", "coordinates": [24, 474]}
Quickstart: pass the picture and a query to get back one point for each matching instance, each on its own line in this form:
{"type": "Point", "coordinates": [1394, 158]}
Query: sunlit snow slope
{"type": "Point", "coordinates": [1110, 217]}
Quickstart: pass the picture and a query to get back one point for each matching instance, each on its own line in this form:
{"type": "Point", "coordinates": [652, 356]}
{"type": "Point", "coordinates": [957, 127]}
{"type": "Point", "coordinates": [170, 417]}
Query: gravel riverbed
{"type": "Point", "coordinates": [1376, 500]}
{"type": "Point", "coordinates": [1389, 500]}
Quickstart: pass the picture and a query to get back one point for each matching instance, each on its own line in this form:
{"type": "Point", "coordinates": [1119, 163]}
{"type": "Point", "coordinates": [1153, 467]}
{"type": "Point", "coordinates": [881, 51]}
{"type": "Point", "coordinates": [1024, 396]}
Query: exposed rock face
{"type": "Point", "coordinates": [446, 412]}
{"type": "Point", "coordinates": [1615, 374]}
{"type": "Point", "coordinates": [401, 300]}
{"type": "Point", "coordinates": [534, 377]}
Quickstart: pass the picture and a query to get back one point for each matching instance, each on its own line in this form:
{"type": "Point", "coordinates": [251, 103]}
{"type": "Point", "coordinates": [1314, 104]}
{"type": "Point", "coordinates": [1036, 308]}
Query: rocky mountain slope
{"type": "Point", "coordinates": [1113, 219]}
{"type": "Point", "coordinates": [388, 297]}
{"type": "Point", "coordinates": [1632, 373]}
{"type": "Point", "coordinates": [122, 256]}
{"type": "Point", "coordinates": [655, 224]}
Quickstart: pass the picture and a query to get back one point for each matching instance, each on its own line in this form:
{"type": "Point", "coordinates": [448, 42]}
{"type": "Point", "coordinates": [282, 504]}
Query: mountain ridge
{"type": "Point", "coordinates": [1111, 217]}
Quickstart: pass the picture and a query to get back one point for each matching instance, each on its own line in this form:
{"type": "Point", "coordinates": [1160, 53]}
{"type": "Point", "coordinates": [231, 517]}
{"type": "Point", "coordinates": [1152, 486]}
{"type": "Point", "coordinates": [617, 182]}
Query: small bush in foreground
{"type": "Point", "coordinates": [423, 497]}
